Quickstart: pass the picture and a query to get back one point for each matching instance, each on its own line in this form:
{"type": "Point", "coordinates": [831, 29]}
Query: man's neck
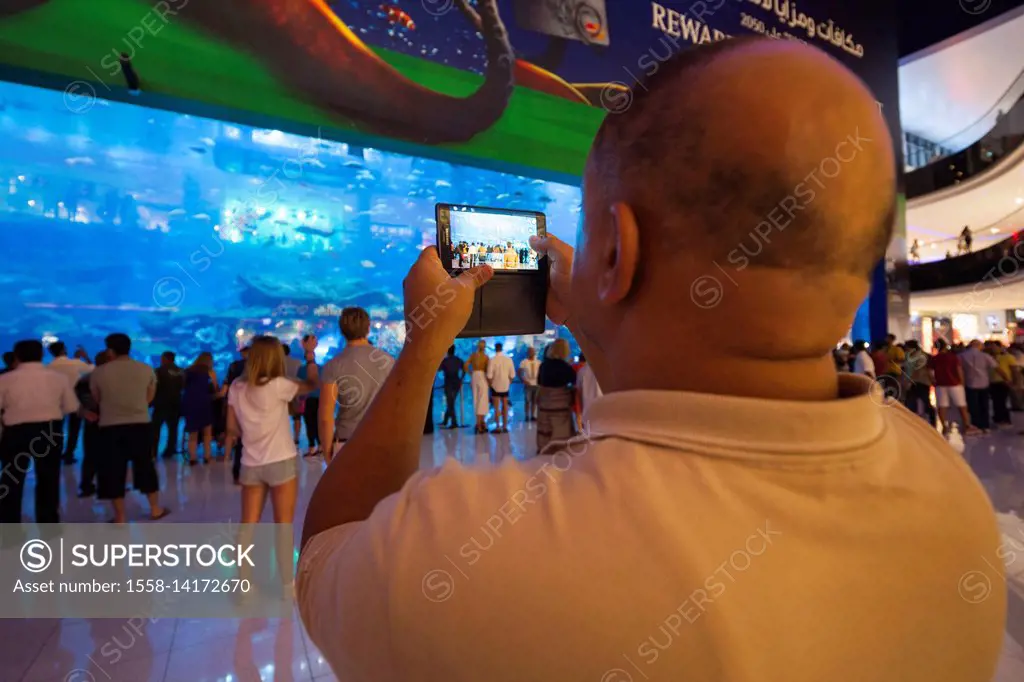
{"type": "Point", "coordinates": [358, 342]}
{"type": "Point", "coordinates": [812, 379]}
{"type": "Point", "coordinates": [120, 357]}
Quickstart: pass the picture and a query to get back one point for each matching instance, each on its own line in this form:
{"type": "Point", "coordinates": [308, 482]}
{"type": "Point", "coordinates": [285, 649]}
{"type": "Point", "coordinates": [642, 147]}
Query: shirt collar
{"type": "Point", "coordinates": [704, 422]}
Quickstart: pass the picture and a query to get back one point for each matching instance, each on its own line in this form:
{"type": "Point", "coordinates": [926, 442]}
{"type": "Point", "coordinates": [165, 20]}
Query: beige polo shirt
{"type": "Point", "coordinates": [685, 537]}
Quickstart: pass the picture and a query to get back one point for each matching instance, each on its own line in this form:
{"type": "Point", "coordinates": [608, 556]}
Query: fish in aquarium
{"type": "Point", "coordinates": [313, 231]}
{"type": "Point", "coordinates": [194, 287]}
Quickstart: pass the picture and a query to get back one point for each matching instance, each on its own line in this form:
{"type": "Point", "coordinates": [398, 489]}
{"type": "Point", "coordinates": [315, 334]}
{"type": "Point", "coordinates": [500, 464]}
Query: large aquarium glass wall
{"type": "Point", "coordinates": [191, 234]}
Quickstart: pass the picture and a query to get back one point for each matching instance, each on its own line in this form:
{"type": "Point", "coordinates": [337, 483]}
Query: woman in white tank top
{"type": "Point", "coordinates": [258, 414]}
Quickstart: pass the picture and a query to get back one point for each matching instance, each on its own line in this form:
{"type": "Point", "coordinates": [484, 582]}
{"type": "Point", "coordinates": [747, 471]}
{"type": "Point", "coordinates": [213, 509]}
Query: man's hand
{"type": "Point", "coordinates": [437, 305]}
{"type": "Point", "coordinates": [384, 450]}
{"type": "Point", "coordinates": [560, 256]}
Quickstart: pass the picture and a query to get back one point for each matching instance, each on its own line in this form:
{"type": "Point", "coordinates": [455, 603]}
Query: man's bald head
{"type": "Point", "coordinates": [752, 152]}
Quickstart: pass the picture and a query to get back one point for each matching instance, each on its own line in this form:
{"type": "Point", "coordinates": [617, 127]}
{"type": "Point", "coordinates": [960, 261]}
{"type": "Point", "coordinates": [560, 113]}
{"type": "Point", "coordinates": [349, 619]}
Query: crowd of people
{"type": "Point", "coordinates": [555, 392]}
{"type": "Point", "coordinates": [257, 412]}
{"type": "Point", "coordinates": [123, 406]}
{"type": "Point", "coordinates": [510, 256]}
{"type": "Point", "coordinates": [979, 382]}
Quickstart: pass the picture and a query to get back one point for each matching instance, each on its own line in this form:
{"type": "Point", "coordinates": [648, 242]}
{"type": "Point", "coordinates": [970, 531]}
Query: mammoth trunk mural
{"type": "Point", "coordinates": [313, 51]}
{"type": "Point", "coordinates": [306, 45]}
{"type": "Point", "coordinates": [11, 7]}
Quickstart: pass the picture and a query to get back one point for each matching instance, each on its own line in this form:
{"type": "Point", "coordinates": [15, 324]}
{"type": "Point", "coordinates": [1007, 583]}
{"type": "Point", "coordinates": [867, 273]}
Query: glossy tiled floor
{"type": "Point", "coordinates": [116, 650]}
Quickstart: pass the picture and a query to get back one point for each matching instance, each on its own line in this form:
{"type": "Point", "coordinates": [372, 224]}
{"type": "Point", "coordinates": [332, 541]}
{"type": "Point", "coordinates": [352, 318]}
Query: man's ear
{"type": "Point", "coordinates": [619, 254]}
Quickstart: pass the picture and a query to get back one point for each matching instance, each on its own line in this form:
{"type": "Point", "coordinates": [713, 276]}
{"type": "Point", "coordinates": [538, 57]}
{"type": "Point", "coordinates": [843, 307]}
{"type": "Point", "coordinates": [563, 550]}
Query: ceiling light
{"type": "Point", "coordinates": [994, 230]}
{"type": "Point", "coordinates": [1020, 200]}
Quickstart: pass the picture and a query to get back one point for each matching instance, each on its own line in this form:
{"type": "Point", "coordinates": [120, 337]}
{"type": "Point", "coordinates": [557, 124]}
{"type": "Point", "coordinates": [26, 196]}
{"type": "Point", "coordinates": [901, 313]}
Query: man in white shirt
{"type": "Point", "coordinates": [74, 369]}
{"type": "Point", "coordinates": [587, 388]}
{"type": "Point", "coordinates": [753, 516]}
{"type": "Point", "coordinates": [978, 366]}
{"type": "Point", "coordinates": [528, 370]}
{"type": "Point", "coordinates": [862, 362]}
{"type": "Point", "coordinates": [33, 400]}
{"type": "Point", "coordinates": [500, 374]}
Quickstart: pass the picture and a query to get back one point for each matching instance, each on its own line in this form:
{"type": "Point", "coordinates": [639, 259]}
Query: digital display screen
{"type": "Point", "coordinates": [489, 237]}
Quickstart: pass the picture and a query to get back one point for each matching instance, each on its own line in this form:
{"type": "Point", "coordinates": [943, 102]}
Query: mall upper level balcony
{"type": "Point", "coordinates": [963, 115]}
{"type": "Point", "coordinates": [958, 93]}
{"type": "Point", "coordinates": [993, 265]}
{"type": "Point", "coordinates": [947, 169]}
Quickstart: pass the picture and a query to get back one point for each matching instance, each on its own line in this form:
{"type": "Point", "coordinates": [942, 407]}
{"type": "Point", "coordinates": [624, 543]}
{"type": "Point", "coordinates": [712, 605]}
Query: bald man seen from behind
{"type": "Point", "coordinates": [747, 517]}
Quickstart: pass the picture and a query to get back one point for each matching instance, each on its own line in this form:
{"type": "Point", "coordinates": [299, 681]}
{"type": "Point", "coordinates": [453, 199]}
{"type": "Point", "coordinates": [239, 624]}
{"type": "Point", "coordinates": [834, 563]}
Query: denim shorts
{"type": "Point", "coordinates": [273, 474]}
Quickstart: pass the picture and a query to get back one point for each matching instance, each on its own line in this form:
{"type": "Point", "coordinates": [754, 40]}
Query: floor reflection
{"type": "Point", "coordinates": [277, 650]}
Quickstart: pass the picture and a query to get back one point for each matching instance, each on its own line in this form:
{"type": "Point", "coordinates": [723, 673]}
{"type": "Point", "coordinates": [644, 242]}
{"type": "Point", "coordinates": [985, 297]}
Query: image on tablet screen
{"type": "Point", "coordinates": [500, 240]}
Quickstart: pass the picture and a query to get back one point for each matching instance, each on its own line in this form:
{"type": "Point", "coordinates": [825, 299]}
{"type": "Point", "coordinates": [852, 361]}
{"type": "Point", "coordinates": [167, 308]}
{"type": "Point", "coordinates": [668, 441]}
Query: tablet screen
{"type": "Point", "coordinates": [500, 239]}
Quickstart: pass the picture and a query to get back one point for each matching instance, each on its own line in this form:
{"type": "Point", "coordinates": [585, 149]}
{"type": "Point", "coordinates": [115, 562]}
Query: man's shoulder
{"type": "Point", "coordinates": [142, 368]}
{"type": "Point", "coordinates": [933, 461]}
{"type": "Point", "coordinates": [51, 372]}
{"type": "Point", "coordinates": [334, 366]}
{"type": "Point", "coordinates": [370, 358]}
{"type": "Point", "coordinates": [361, 360]}
{"type": "Point", "coordinates": [387, 359]}
{"type": "Point", "coordinates": [478, 489]}
{"type": "Point", "coordinates": [49, 375]}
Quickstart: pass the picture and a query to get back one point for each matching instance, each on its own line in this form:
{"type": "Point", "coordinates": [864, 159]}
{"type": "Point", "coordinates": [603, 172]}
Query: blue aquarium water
{"type": "Point", "coordinates": [191, 234]}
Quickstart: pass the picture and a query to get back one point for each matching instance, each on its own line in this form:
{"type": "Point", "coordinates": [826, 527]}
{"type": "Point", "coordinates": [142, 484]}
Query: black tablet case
{"type": "Point", "coordinates": [511, 304]}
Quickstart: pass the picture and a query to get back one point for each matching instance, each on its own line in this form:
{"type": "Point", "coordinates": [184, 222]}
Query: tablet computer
{"type": "Point", "coordinates": [512, 303]}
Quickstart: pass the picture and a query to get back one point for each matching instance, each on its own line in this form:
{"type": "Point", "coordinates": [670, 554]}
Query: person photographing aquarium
{"type": "Point", "coordinates": [754, 516]}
